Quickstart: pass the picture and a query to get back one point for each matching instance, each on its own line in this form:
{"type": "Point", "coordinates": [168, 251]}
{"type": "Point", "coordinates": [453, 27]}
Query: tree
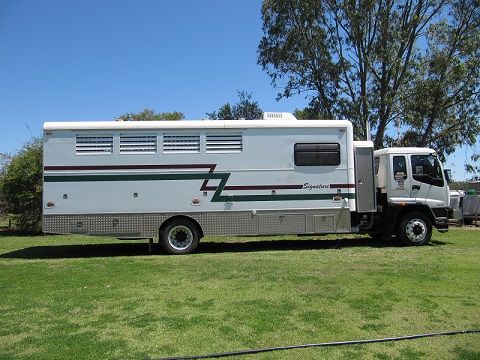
{"type": "Point", "coordinates": [5, 159]}
{"type": "Point", "coordinates": [151, 115]}
{"type": "Point", "coordinates": [363, 60]}
{"type": "Point", "coordinates": [307, 113]}
{"type": "Point", "coordinates": [245, 108]}
{"type": "Point", "coordinates": [21, 187]}
{"type": "Point", "coordinates": [296, 52]}
{"type": "Point", "coordinates": [442, 105]}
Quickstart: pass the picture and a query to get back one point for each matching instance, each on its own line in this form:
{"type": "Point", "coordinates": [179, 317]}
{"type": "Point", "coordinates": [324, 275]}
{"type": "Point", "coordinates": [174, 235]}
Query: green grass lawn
{"type": "Point", "coordinates": [77, 297]}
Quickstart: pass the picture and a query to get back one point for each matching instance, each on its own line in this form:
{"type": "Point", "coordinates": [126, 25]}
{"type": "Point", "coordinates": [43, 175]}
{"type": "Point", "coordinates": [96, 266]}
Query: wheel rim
{"type": "Point", "coordinates": [180, 237]}
{"type": "Point", "coordinates": [416, 230]}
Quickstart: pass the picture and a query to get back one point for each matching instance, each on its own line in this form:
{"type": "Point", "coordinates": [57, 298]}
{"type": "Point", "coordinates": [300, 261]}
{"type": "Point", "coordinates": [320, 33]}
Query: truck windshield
{"type": "Point", "coordinates": [427, 169]}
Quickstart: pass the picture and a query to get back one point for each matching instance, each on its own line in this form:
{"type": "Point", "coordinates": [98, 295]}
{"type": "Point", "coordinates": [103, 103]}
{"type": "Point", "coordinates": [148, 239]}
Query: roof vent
{"type": "Point", "coordinates": [278, 116]}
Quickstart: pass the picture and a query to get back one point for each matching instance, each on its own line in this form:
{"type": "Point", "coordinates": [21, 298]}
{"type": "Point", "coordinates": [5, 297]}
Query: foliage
{"type": "Point", "coordinates": [296, 51]}
{"type": "Point", "coordinates": [474, 167]}
{"type": "Point", "coordinates": [5, 159]}
{"type": "Point", "coordinates": [442, 104]}
{"type": "Point", "coordinates": [307, 113]}
{"type": "Point", "coordinates": [21, 187]}
{"type": "Point", "coordinates": [245, 108]}
{"type": "Point", "coordinates": [408, 63]}
{"type": "Point", "coordinates": [459, 185]}
{"type": "Point", "coordinates": [151, 115]}
{"type": "Point", "coordinates": [79, 297]}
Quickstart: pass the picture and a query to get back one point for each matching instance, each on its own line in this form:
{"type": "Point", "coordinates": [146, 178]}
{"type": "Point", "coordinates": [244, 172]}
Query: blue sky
{"type": "Point", "coordinates": [94, 60]}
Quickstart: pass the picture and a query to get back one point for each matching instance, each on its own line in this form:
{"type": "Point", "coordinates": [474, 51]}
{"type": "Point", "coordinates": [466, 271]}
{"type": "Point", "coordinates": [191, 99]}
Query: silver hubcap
{"type": "Point", "coordinates": [180, 237]}
{"type": "Point", "coordinates": [416, 230]}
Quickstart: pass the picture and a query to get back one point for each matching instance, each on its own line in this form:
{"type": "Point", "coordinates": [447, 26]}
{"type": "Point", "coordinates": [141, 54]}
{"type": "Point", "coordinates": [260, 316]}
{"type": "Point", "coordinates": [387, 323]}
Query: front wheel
{"type": "Point", "coordinates": [180, 236]}
{"type": "Point", "coordinates": [415, 229]}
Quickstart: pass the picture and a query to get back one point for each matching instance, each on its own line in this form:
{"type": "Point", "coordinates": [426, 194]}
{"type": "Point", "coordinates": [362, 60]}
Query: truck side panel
{"type": "Point", "coordinates": [257, 190]}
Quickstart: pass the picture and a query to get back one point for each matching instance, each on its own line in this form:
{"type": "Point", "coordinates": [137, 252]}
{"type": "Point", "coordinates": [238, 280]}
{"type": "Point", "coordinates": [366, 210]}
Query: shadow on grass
{"type": "Point", "coordinates": [78, 251]}
{"type": "Point", "coordinates": [6, 231]}
{"type": "Point", "coordinates": [302, 244]}
{"type": "Point", "coordinates": [141, 249]}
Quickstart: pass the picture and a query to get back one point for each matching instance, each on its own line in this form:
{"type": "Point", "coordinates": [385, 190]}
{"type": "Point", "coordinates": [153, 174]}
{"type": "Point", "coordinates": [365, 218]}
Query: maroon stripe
{"type": "Point", "coordinates": [263, 187]}
{"type": "Point", "coordinates": [211, 167]}
{"type": "Point", "coordinates": [268, 187]}
{"type": "Point", "coordinates": [251, 187]}
{"type": "Point", "coordinates": [342, 186]}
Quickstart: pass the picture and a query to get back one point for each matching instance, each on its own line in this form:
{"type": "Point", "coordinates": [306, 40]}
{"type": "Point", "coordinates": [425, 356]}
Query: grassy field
{"type": "Point", "coordinates": [77, 297]}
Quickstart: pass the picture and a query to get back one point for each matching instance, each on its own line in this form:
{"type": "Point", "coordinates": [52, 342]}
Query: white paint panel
{"type": "Point", "coordinates": [267, 158]}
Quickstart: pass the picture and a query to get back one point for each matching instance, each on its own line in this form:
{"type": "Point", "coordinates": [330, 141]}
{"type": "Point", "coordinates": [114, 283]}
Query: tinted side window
{"type": "Point", "coordinates": [399, 168]}
{"type": "Point", "coordinates": [317, 154]}
{"type": "Point", "coordinates": [426, 169]}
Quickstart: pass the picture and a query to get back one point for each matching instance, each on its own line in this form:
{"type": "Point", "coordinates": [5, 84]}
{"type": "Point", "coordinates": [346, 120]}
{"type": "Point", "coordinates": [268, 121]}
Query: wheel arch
{"type": "Point", "coordinates": [413, 208]}
{"type": "Point", "coordinates": [185, 217]}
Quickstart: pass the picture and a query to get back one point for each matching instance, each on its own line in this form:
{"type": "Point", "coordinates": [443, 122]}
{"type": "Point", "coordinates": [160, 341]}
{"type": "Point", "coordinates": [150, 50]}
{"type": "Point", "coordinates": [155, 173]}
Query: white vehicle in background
{"type": "Point", "coordinates": [465, 205]}
{"type": "Point", "coordinates": [183, 180]}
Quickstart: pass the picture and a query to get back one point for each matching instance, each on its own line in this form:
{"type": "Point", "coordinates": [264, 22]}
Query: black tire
{"type": "Point", "coordinates": [415, 229]}
{"type": "Point", "coordinates": [180, 236]}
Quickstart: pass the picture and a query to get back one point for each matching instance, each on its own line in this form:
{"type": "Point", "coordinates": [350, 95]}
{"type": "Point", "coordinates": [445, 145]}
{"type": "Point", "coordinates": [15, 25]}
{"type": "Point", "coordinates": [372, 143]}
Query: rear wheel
{"type": "Point", "coordinates": [415, 229]}
{"type": "Point", "coordinates": [180, 236]}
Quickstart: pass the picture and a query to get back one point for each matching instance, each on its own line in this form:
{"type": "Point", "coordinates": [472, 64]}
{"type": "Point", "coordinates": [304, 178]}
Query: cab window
{"type": "Point", "coordinates": [427, 169]}
{"type": "Point", "coordinates": [399, 168]}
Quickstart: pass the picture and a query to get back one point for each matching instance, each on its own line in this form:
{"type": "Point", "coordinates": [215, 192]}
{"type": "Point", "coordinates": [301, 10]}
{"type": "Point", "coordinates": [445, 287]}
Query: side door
{"type": "Point", "coordinates": [399, 177]}
{"type": "Point", "coordinates": [427, 183]}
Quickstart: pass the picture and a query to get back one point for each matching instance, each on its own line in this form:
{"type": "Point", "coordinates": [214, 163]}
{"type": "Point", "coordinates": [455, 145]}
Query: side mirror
{"type": "Point", "coordinates": [448, 175]}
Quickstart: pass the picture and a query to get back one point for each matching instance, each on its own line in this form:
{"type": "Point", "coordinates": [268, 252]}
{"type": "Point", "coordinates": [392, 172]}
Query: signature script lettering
{"type": "Point", "coordinates": [317, 186]}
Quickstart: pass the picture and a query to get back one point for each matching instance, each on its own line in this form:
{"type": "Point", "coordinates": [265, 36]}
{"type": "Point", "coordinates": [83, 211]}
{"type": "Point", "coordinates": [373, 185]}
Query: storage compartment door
{"type": "Point", "coordinates": [364, 181]}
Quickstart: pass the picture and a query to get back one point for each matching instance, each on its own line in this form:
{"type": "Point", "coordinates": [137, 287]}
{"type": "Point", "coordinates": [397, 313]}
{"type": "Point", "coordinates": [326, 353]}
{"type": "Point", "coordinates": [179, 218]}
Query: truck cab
{"type": "Point", "coordinates": [412, 193]}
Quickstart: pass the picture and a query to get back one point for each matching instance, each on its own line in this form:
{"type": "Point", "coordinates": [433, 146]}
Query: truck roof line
{"type": "Point", "coordinates": [193, 124]}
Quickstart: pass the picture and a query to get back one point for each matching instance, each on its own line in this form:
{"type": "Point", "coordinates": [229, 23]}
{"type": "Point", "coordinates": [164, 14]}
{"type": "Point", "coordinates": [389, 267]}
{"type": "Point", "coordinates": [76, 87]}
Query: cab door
{"type": "Point", "coordinates": [427, 183]}
{"type": "Point", "coordinates": [399, 177]}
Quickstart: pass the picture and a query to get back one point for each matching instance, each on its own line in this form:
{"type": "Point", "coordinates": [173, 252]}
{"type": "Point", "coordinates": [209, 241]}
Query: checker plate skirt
{"type": "Point", "coordinates": [265, 222]}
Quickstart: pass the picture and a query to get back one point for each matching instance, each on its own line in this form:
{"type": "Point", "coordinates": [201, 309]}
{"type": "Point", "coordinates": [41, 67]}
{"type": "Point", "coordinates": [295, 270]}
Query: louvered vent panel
{"type": "Point", "coordinates": [94, 144]}
{"type": "Point", "coordinates": [181, 143]}
{"type": "Point", "coordinates": [224, 143]}
{"type": "Point", "coordinates": [145, 144]}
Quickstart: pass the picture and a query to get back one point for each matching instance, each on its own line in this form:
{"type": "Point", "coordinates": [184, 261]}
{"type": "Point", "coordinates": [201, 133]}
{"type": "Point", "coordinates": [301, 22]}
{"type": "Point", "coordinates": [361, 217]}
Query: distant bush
{"type": "Point", "coordinates": [21, 187]}
{"type": "Point", "coordinates": [459, 185]}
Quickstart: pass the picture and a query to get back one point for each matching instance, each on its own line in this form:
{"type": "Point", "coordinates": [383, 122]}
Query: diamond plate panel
{"type": "Point", "coordinates": [281, 223]}
{"type": "Point", "coordinates": [213, 223]}
{"type": "Point", "coordinates": [324, 223]}
{"type": "Point", "coordinates": [124, 225]}
{"type": "Point", "coordinates": [79, 227]}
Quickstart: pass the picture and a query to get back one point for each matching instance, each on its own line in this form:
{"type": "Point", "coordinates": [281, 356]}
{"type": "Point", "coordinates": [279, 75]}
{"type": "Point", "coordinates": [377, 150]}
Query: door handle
{"type": "Point", "coordinates": [415, 187]}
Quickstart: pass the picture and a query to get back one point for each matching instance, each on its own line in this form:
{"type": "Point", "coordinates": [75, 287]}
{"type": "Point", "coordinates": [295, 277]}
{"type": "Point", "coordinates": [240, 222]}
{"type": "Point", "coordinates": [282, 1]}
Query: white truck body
{"type": "Point", "coordinates": [240, 177]}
